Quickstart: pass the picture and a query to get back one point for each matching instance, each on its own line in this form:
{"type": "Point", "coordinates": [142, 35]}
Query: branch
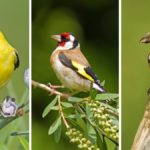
{"type": "Point", "coordinates": [112, 131]}
{"type": "Point", "coordinates": [53, 91]}
{"type": "Point", "coordinates": [49, 89]}
{"type": "Point", "coordinates": [61, 113]}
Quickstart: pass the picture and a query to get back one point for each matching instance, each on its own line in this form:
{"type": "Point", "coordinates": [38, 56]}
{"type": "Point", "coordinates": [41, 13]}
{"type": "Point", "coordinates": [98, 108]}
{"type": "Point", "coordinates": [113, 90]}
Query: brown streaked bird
{"type": "Point", "coordinates": [71, 66]}
{"type": "Point", "coordinates": [146, 39]}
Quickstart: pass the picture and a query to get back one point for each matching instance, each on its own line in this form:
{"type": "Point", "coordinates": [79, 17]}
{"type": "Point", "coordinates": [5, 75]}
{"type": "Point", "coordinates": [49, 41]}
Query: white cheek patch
{"type": "Point", "coordinates": [68, 45]}
{"type": "Point", "coordinates": [72, 38]}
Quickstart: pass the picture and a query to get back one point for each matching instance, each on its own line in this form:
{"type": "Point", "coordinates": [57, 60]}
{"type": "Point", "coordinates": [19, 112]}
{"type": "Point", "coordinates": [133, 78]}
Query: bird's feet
{"type": "Point", "coordinates": [55, 86]}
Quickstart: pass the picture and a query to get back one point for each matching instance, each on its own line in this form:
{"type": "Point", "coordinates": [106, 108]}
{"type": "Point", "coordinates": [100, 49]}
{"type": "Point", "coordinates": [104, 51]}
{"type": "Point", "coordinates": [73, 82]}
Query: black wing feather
{"type": "Point", "coordinates": [17, 61]}
{"type": "Point", "coordinates": [66, 61]}
{"type": "Point", "coordinates": [90, 71]}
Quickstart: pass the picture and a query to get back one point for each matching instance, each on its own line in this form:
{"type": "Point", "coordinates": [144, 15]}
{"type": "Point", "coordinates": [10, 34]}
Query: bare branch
{"type": "Point", "coordinates": [61, 113]}
{"type": "Point", "coordinates": [49, 89]}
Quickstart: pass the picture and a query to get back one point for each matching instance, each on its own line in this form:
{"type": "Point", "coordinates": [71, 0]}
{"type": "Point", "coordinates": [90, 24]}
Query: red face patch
{"type": "Point", "coordinates": [61, 44]}
{"type": "Point", "coordinates": [65, 35]}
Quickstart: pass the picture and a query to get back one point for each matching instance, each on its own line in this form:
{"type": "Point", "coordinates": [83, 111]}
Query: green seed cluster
{"type": "Point", "coordinates": [76, 136]}
{"type": "Point", "coordinates": [103, 119]}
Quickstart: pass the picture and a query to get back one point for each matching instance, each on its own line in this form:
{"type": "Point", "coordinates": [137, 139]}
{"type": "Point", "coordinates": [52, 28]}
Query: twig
{"type": "Point", "coordinates": [61, 113]}
{"type": "Point", "coordinates": [55, 86]}
{"type": "Point", "coordinates": [59, 94]}
{"type": "Point", "coordinates": [19, 133]}
{"type": "Point", "coordinates": [49, 89]}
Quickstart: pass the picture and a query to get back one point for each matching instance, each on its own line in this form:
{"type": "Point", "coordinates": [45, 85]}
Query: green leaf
{"type": "Point", "coordinates": [107, 96]}
{"type": "Point", "coordinates": [75, 99]}
{"type": "Point", "coordinates": [5, 121]}
{"type": "Point", "coordinates": [103, 83]}
{"type": "Point", "coordinates": [54, 126]}
{"type": "Point", "coordinates": [76, 116]}
{"type": "Point", "coordinates": [91, 133]}
{"type": "Point", "coordinates": [99, 141]}
{"type": "Point", "coordinates": [88, 111]}
{"type": "Point", "coordinates": [57, 134]}
{"type": "Point", "coordinates": [67, 105]}
{"type": "Point", "coordinates": [75, 124]}
{"type": "Point", "coordinates": [93, 93]}
{"type": "Point", "coordinates": [3, 146]}
{"type": "Point", "coordinates": [104, 143]}
{"type": "Point", "coordinates": [49, 107]}
{"type": "Point", "coordinates": [24, 142]}
{"type": "Point", "coordinates": [116, 147]}
{"type": "Point", "coordinates": [55, 108]}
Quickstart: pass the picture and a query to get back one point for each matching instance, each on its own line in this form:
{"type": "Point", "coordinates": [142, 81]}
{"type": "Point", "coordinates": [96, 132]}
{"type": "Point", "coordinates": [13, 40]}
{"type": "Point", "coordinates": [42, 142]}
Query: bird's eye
{"type": "Point", "coordinates": [65, 38]}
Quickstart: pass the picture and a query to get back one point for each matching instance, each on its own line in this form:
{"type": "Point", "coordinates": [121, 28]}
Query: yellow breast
{"type": "Point", "coordinates": [7, 59]}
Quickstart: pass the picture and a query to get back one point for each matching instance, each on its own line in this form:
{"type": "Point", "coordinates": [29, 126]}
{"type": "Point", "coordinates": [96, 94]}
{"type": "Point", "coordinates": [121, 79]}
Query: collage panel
{"type": "Point", "coordinates": [75, 101]}
{"type": "Point", "coordinates": [14, 62]}
{"type": "Point", "coordinates": [135, 75]}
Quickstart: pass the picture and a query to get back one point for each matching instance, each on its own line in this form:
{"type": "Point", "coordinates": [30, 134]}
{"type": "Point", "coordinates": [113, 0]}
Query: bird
{"type": "Point", "coordinates": [146, 39]}
{"type": "Point", "coordinates": [71, 66]}
{"type": "Point", "coordinates": [9, 60]}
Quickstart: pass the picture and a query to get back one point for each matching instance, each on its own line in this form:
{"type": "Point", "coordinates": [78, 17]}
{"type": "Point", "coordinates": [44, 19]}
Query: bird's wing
{"type": "Point", "coordinates": [76, 55]}
{"type": "Point", "coordinates": [84, 71]}
{"type": "Point", "coordinates": [17, 61]}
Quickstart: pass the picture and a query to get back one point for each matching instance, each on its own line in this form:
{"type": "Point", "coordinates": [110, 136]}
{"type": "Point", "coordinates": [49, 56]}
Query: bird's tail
{"type": "Point", "coordinates": [98, 87]}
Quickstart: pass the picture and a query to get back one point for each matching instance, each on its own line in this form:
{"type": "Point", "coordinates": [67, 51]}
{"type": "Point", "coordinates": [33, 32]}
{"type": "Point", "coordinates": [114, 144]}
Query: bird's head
{"type": "Point", "coordinates": [146, 38]}
{"type": "Point", "coordinates": [66, 41]}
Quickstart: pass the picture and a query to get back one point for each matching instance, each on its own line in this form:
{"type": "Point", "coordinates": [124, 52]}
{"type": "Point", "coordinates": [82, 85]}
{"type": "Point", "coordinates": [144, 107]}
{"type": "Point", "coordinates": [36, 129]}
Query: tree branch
{"type": "Point", "coordinates": [61, 113]}
{"type": "Point", "coordinates": [49, 89]}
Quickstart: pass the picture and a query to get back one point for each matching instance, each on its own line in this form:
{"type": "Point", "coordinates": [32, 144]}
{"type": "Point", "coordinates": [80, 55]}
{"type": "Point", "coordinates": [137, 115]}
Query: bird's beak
{"type": "Point", "coordinates": [56, 37]}
{"type": "Point", "coordinates": [145, 39]}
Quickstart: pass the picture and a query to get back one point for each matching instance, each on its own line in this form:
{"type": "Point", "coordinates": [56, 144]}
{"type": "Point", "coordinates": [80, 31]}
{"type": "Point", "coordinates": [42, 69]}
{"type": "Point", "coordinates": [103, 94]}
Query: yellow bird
{"type": "Point", "coordinates": [9, 60]}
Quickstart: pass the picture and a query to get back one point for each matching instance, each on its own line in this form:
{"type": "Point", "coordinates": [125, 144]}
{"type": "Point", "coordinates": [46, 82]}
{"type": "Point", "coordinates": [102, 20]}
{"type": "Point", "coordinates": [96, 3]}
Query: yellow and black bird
{"type": "Point", "coordinates": [9, 60]}
{"type": "Point", "coordinates": [71, 66]}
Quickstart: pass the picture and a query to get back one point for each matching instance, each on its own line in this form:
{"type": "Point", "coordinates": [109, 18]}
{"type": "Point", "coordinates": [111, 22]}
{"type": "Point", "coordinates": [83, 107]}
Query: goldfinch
{"type": "Point", "coordinates": [9, 60]}
{"type": "Point", "coordinates": [71, 66]}
{"type": "Point", "coordinates": [146, 39]}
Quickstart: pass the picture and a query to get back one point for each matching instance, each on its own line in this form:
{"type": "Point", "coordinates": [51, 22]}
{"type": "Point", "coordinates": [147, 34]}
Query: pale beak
{"type": "Point", "coordinates": [56, 37]}
{"type": "Point", "coordinates": [145, 39]}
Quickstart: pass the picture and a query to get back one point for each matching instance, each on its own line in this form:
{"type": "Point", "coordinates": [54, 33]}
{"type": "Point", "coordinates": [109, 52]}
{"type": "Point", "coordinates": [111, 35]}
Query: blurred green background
{"type": "Point", "coordinates": [135, 71]}
{"type": "Point", "coordinates": [95, 25]}
{"type": "Point", "coordinates": [14, 24]}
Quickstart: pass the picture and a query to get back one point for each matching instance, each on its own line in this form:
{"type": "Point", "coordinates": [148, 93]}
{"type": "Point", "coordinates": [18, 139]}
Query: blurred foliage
{"type": "Point", "coordinates": [90, 123]}
{"type": "Point", "coordinates": [14, 24]}
{"type": "Point", "coordinates": [135, 71]}
{"type": "Point", "coordinates": [95, 25]}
